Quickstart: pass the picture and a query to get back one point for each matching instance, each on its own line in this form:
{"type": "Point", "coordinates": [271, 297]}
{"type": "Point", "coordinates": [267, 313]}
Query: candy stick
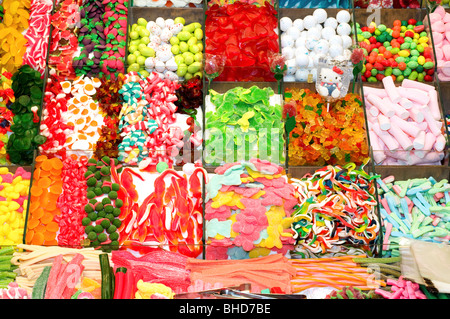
{"type": "Point", "coordinates": [371, 90]}
{"type": "Point", "coordinates": [405, 103]}
{"type": "Point", "coordinates": [401, 138]}
{"type": "Point", "coordinates": [390, 142]}
{"type": "Point", "coordinates": [381, 105]}
{"type": "Point", "coordinates": [434, 105]}
{"type": "Point", "coordinates": [407, 127]}
{"type": "Point", "coordinates": [391, 89]}
{"type": "Point", "coordinates": [417, 85]}
{"type": "Point", "coordinates": [416, 113]}
{"type": "Point", "coordinates": [384, 122]}
{"type": "Point", "coordinates": [415, 95]}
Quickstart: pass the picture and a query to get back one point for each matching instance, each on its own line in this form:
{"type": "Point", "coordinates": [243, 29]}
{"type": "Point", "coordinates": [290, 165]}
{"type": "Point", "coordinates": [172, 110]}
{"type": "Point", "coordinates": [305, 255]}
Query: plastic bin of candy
{"type": "Point", "coordinates": [396, 43]}
{"type": "Point", "coordinates": [245, 36]}
{"type": "Point", "coordinates": [308, 35]}
{"type": "Point", "coordinates": [243, 121]}
{"type": "Point", "coordinates": [325, 133]}
{"type": "Point", "coordinates": [169, 41]}
{"type": "Point", "coordinates": [412, 205]}
{"type": "Point", "coordinates": [15, 184]}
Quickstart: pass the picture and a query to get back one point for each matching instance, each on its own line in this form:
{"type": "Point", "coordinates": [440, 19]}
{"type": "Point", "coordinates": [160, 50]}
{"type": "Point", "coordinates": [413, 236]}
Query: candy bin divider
{"type": "Point", "coordinates": [27, 215]}
{"type": "Point", "coordinates": [444, 89]}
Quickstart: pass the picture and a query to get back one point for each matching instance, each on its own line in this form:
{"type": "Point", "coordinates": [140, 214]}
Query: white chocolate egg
{"type": "Point", "coordinates": [300, 42]}
{"type": "Point", "coordinates": [309, 21]}
{"type": "Point", "coordinates": [311, 43]}
{"type": "Point", "coordinates": [288, 53]}
{"type": "Point", "coordinates": [291, 67]}
{"type": "Point", "coordinates": [336, 39]}
{"type": "Point", "coordinates": [344, 29]}
{"type": "Point", "coordinates": [172, 76]}
{"type": "Point", "coordinates": [289, 78]}
{"type": "Point", "coordinates": [343, 16]}
{"type": "Point", "coordinates": [287, 41]}
{"type": "Point", "coordinates": [346, 41]}
{"type": "Point", "coordinates": [314, 32]}
{"type": "Point", "coordinates": [304, 34]}
{"type": "Point", "coordinates": [171, 65]}
{"type": "Point", "coordinates": [322, 47]}
{"type": "Point", "coordinates": [176, 28]}
{"type": "Point", "coordinates": [169, 23]}
{"type": "Point", "coordinates": [150, 25]}
{"type": "Point", "coordinates": [300, 51]}
{"type": "Point", "coordinates": [336, 50]}
{"type": "Point", "coordinates": [302, 61]}
{"type": "Point", "coordinates": [298, 23]}
{"type": "Point", "coordinates": [293, 32]}
{"type": "Point", "coordinates": [327, 33]}
{"type": "Point", "coordinates": [301, 75]}
{"type": "Point", "coordinates": [331, 22]}
{"type": "Point", "coordinates": [320, 15]}
{"type": "Point", "coordinates": [285, 23]}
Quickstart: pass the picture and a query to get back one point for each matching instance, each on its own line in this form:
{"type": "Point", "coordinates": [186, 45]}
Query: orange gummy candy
{"type": "Point", "coordinates": [38, 239]}
{"type": "Point", "coordinates": [52, 227]}
{"type": "Point", "coordinates": [44, 182]}
{"type": "Point", "coordinates": [47, 218]}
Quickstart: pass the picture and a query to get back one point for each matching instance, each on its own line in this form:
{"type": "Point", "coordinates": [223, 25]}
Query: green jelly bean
{"type": "Point", "coordinates": [413, 64]}
{"type": "Point", "coordinates": [372, 79]}
{"type": "Point", "coordinates": [397, 72]}
{"type": "Point", "coordinates": [415, 53]}
{"type": "Point", "coordinates": [382, 27]}
{"type": "Point", "coordinates": [374, 72]}
{"type": "Point", "coordinates": [366, 34]}
{"type": "Point", "coordinates": [420, 48]}
{"type": "Point", "coordinates": [400, 59]}
{"type": "Point", "coordinates": [400, 78]}
{"type": "Point", "coordinates": [420, 68]}
{"type": "Point", "coordinates": [388, 71]}
{"type": "Point", "coordinates": [360, 38]}
{"type": "Point", "coordinates": [405, 46]}
{"type": "Point", "coordinates": [414, 58]}
{"type": "Point", "coordinates": [421, 77]}
{"type": "Point", "coordinates": [413, 75]}
{"type": "Point", "coordinates": [423, 34]}
{"type": "Point", "coordinates": [407, 72]}
{"type": "Point", "coordinates": [395, 50]}
{"type": "Point", "coordinates": [413, 46]}
{"type": "Point", "coordinates": [428, 65]}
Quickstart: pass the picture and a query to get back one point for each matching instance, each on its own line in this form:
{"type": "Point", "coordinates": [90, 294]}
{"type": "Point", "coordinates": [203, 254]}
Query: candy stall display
{"type": "Point", "coordinates": [307, 35]}
{"type": "Point", "coordinates": [223, 149]}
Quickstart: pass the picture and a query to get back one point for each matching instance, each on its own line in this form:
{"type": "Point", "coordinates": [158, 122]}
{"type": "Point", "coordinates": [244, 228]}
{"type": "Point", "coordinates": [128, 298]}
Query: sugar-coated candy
{"type": "Point", "coordinates": [335, 212]}
{"type": "Point", "coordinates": [243, 123]}
{"type": "Point", "coordinates": [248, 210]}
{"type": "Point", "coordinates": [440, 24]}
{"type": "Point", "coordinates": [14, 188]}
{"type": "Point", "coordinates": [322, 136]}
{"type": "Point", "coordinates": [414, 208]}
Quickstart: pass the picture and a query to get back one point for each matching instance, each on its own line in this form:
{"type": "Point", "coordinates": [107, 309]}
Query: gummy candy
{"type": "Point", "coordinates": [245, 213]}
{"type": "Point", "coordinates": [38, 35]}
{"type": "Point", "coordinates": [321, 136]}
{"type": "Point", "coordinates": [43, 211]}
{"type": "Point", "coordinates": [335, 213]}
{"type": "Point", "coordinates": [245, 34]}
{"type": "Point", "coordinates": [27, 86]}
{"type": "Point", "coordinates": [12, 40]}
{"type": "Point", "coordinates": [243, 123]}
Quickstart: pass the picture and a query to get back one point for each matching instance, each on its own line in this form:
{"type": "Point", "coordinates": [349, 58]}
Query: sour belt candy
{"type": "Point", "coordinates": [335, 213]}
{"type": "Point", "coordinates": [248, 211]}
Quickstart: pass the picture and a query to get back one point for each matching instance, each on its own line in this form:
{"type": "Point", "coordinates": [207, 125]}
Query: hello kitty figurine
{"type": "Point", "coordinates": [332, 79]}
{"type": "Point", "coordinates": [330, 82]}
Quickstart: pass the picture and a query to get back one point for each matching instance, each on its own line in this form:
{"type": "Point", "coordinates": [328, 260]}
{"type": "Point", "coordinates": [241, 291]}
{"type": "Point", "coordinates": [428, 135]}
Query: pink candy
{"type": "Point", "coordinates": [14, 292]}
{"type": "Point", "coordinates": [38, 34]}
{"type": "Point", "coordinates": [401, 289]}
{"type": "Point", "coordinates": [440, 24]}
